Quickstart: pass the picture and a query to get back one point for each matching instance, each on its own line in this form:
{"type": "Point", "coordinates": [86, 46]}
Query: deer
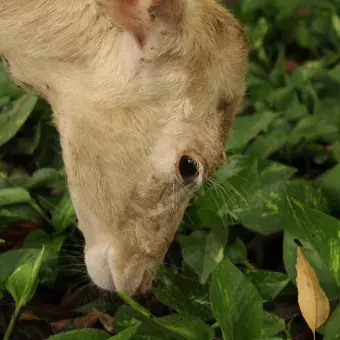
{"type": "Point", "coordinates": [143, 94]}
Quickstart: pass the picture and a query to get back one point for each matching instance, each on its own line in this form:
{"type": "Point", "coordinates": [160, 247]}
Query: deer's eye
{"type": "Point", "coordinates": [188, 169]}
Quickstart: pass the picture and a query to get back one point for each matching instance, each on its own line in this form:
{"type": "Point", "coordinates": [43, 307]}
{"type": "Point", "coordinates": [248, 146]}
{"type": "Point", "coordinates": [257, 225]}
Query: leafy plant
{"type": "Point", "coordinates": [232, 272]}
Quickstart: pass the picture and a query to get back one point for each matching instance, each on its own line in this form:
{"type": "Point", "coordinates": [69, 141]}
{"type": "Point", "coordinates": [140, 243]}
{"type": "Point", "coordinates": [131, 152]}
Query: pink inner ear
{"type": "Point", "coordinates": [128, 15]}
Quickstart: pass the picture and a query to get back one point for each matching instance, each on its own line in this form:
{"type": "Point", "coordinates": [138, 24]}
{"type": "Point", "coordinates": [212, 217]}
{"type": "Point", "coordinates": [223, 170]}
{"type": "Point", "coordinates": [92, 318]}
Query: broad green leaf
{"type": "Point", "coordinates": [186, 327]}
{"type": "Point", "coordinates": [23, 282]}
{"type": "Point", "coordinates": [44, 177]}
{"type": "Point", "coordinates": [272, 325]}
{"type": "Point", "coordinates": [332, 328]}
{"type": "Point", "coordinates": [203, 252]}
{"type": "Point", "coordinates": [81, 334]}
{"type": "Point", "coordinates": [12, 120]}
{"type": "Point", "coordinates": [7, 88]}
{"type": "Point", "coordinates": [247, 127]}
{"type": "Point", "coordinates": [182, 293]}
{"type": "Point", "coordinates": [10, 196]}
{"type": "Point", "coordinates": [53, 244]}
{"type": "Point", "coordinates": [13, 259]}
{"type": "Point", "coordinates": [236, 303]}
{"type": "Point", "coordinates": [127, 317]}
{"type": "Point", "coordinates": [127, 333]}
{"type": "Point", "coordinates": [308, 72]}
{"type": "Point", "coordinates": [64, 214]}
{"type": "Point", "coordinates": [229, 191]}
{"type": "Point", "coordinates": [334, 73]}
{"type": "Point", "coordinates": [330, 183]}
{"type": "Point", "coordinates": [175, 326]}
{"type": "Point", "coordinates": [286, 8]}
{"type": "Point", "coordinates": [296, 112]}
{"type": "Point", "coordinates": [137, 307]}
{"type": "Point", "coordinates": [336, 24]}
{"type": "Point", "coordinates": [319, 235]}
{"type": "Point", "coordinates": [4, 100]}
{"type": "Point", "coordinates": [312, 128]}
{"type": "Point", "coordinates": [237, 252]}
{"type": "Point", "coordinates": [265, 211]}
{"type": "Point", "coordinates": [15, 212]}
{"type": "Point", "coordinates": [17, 181]}
{"type": "Point", "coordinates": [267, 144]}
{"type": "Point", "coordinates": [251, 5]}
{"type": "Point", "coordinates": [336, 151]}
{"type": "Point", "coordinates": [269, 283]}
{"type": "Point", "coordinates": [273, 172]}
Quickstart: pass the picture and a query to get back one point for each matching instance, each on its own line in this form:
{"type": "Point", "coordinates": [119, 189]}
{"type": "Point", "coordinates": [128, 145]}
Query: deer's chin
{"type": "Point", "coordinates": [133, 277]}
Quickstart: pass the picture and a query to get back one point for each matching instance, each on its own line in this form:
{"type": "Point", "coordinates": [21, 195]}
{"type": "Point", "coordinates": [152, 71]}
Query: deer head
{"type": "Point", "coordinates": [144, 94]}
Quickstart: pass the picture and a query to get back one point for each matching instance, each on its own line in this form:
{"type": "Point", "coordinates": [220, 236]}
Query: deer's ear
{"type": "Point", "coordinates": [138, 16]}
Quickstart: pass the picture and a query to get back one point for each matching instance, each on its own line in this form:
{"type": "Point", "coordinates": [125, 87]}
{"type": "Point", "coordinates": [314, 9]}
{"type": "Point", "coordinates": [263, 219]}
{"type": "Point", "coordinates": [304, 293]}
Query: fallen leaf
{"type": "Point", "coordinates": [313, 302]}
{"type": "Point", "coordinates": [106, 320]}
{"type": "Point", "coordinates": [87, 321]}
{"type": "Point", "coordinates": [28, 316]}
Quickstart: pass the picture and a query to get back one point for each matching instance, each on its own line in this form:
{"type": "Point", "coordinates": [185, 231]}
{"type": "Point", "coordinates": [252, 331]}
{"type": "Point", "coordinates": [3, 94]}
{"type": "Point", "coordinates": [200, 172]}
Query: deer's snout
{"type": "Point", "coordinates": [118, 269]}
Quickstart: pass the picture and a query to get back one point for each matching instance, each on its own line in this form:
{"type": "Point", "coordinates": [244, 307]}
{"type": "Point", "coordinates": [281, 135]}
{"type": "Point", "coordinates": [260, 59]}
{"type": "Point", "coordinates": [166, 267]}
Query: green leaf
{"type": "Point", "coordinates": [44, 177]}
{"type": "Point", "coordinates": [10, 196]}
{"type": "Point", "coordinates": [329, 182]}
{"type": "Point", "coordinates": [181, 292]}
{"type": "Point", "coordinates": [38, 238]}
{"type": "Point", "coordinates": [186, 327]}
{"type": "Point", "coordinates": [336, 151]}
{"type": "Point", "coordinates": [286, 8]}
{"type": "Point", "coordinates": [64, 214]}
{"type": "Point", "coordinates": [237, 252]}
{"type": "Point", "coordinates": [334, 73]}
{"type": "Point", "coordinates": [308, 72]}
{"type": "Point", "coordinates": [251, 5]}
{"type": "Point", "coordinates": [127, 333]}
{"type": "Point", "coordinates": [203, 252]}
{"type": "Point", "coordinates": [12, 120]}
{"type": "Point", "coordinates": [273, 172]}
{"type": "Point", "coordinates": [265, 211]}
{"type": "Point", "coordinates": [272, 325]}
{"type": "Point", "coordinates": [81, 334]}
{"type": "Point", "coordinates": [137, 307]}
{"type": "Point", "coordinates": [247, 127]}
{"type": "Point", "coordinates": [15, 212]}
{"type": "Point", "coordinates": [174, 326]}
{"type": "Point", "coordinates": [311, 129]}
{"type": "Point", "coordinates": [23, 282]}
{"type": "Point", "coordinates": [230, 190]}
{"type": "Point", "coordinates": [332, 327]}
{"type": "Point", "coordinates": [269, 284]}
{"type": "Point", "coordinates": [267, 144]}
{"type": "Point", "coordinates": [13, 260]}
{"type": "Point", "coordinates": [319, 235]}
{"type": "Point", "coordinates": [7, 88]}
{"type": "Point", "coordinates": [236, 303]}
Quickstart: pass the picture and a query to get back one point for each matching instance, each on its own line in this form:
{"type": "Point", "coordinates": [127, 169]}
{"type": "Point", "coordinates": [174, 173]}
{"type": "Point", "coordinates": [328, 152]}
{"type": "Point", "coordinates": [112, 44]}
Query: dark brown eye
{"type": "Point", "coordinates": [188, 169]}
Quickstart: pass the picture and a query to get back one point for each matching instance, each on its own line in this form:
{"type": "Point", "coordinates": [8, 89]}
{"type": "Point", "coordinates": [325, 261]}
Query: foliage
{"type": "Point", "coordinates": [232, 272]}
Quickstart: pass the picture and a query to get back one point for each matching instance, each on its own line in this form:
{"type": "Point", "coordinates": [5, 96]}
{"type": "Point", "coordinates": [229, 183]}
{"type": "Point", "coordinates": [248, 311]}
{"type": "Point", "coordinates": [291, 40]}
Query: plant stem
{"type": "Point", "coordinates": [12, 323]}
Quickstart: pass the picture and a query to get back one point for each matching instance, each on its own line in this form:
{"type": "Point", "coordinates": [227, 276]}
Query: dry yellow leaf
{"type": "Point", "coordinates": [313, 302]}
